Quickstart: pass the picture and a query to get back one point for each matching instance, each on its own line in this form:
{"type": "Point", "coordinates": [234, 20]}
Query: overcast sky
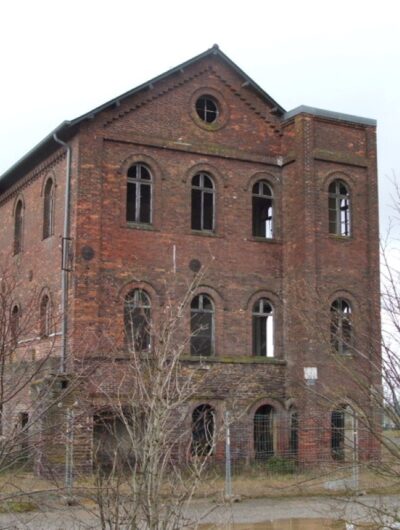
{"type": "Point", "coordinates": [61, 59]}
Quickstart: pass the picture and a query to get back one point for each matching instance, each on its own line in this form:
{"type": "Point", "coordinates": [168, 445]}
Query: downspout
{"type": "Point", "coordinates": [64, 270]}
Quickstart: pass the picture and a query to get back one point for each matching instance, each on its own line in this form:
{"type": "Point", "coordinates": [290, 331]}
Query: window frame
{"type": "Point", "coordinates": [266, 197]}
{"type": "Point", "coordinates": [133, 301]}
{"type": "Point", "coordinates": [194, 332]}
{"type": "Point", "coordinates": [341, 326]}
{"type": "Point", "coordinates": [139, 182]}
{"type": "Point", "coordinates": [336, 225]}
{"type": "Point", "coordinates": [258, 313]}
{"type": "Point", "coordinates": [45, 316]}
{"type": "Point", "coordinates": [48, 209]}
{"type": "Point", "coordinates": [203, 191]}
{"type": "Point", "coordinates": [18, 227]}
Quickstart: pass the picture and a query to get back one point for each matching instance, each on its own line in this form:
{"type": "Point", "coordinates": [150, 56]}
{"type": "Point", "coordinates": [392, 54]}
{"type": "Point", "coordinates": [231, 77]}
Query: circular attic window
{"type": "Point", "coordinates": [207, 109]}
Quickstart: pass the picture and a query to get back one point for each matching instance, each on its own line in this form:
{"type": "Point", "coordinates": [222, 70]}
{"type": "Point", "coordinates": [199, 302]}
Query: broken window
{"type": "Point", "coordinates": [339, 209]}
{"type": "Point", "coordinates": [18, 225]}
{"type": "Point", "coordinates": [48, 209]}
{"type": "Point", "coordinates": [207, 109]}
{"type": "Point", "coordinates": [263, 210]}
{"type": "Point", "coordinates": [264, 426]}
{"type": "Point", "coordinates": [263, 328]}
{"type": "Point", "coordinates": [45, 316]}
{"type": "Point", "coordinates": [203, 427]}
{"type": "Point", "coordinates": [137, 315]}
{"type": "Point", "coordinates": [203, 198]}
{"type": "Point", "coordinates": [202, 326]}
{"type": "Point", "coordinates": [138, 196]}
{"type": "Point", "coordinates": [341, 326]}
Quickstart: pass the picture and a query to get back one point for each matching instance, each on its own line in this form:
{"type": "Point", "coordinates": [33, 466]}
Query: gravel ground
{"type": "Point", "coordinates": [245, 511]}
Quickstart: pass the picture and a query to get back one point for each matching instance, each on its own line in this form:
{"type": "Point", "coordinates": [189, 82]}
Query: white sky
{"type": "Point", "coordinates": [61, 59]}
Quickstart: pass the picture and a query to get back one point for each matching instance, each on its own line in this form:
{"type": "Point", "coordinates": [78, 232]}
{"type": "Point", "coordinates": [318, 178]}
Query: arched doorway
{"type": "Point", "coordinates": [264, 427]}
{"type": "Point", "coordinates": [203, 428]}
{"type": "Point", "coordinates": [343, 434]}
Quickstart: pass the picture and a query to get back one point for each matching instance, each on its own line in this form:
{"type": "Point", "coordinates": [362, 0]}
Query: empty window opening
{"type": "Point", "coordinates": [293, 433]}
{"type": "Point", "coordinates": [203, 427]}
{"type": "Point", "coordinates": [203, 199]}
{"type": "Point", "coordinates": [263, 210]}
{"type": "Point", "coordinates": [139, 192]}
{"type": "Point", "coordinates": [48, 209]}
{"type": "Point", "coordinates": [207, 109]}
{"type": "Point", "coordinates": [343, 434]}
{"type": "Point", "coordinates": [45, 323]}
{"type": "Point", "coordinates": [137, 319]}
{"type": "Point", "coordinates": [341, 326]}
{"type": "Point", "coordinates": [264, 425]}
{"type": "Point", "coordinates": [15, 326]}
{"type": "Point", "coordinates": [263, 328]}
{"type": "Point", "coordinates": [23, 434]}
{"type": "Point", "coordinates": [18, 225]}
{"type": "Point", "coordinates": [111, 441]}
{"type": "Point", "coordinates": [339, 209]}
{"type": "Point", "coordinates": [202, 326]}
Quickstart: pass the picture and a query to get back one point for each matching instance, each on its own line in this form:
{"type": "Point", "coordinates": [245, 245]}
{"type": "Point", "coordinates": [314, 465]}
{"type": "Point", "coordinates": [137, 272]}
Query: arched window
{"type": "Point", "coordinates": [45, 318]}
{"type": "Point", "coordinates": [203, 202]}
{"type": "Point", "coordinates": [18, 226]}
{"type": "Point", "coordinates": [263, 210]}
{"type": "Point", "coordinates": [15, 325]}
{"type": "Point", "coordinates": [202, 326]}
{"type": "Point", "coordinates": [341, 325]}
{"type": "Point", "coordinates": [203, 427]}
{"type": "Point", "coordinates": [48, 210]}
{"type": "Point", "coordinates": [339, 209]}
{"type": "Point", "coordinates": [137, 319]}
{"type": "Point", "coordinates": [263, 328]}
{"type": "Point", "coordinates": [139, 194]}
{"type": "Point", "coordinates": [264, 426]}
{"type": "Point", "coordinates": [343, 433]}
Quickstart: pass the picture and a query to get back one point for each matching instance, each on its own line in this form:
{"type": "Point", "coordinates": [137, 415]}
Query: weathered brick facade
{"type": "Point", "coordinates": [300, 270]}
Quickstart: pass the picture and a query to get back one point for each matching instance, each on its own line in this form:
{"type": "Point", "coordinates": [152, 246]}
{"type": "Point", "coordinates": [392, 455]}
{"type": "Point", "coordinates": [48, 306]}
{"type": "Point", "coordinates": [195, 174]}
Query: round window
{"type": "Point", "coordinates": [207, 109]}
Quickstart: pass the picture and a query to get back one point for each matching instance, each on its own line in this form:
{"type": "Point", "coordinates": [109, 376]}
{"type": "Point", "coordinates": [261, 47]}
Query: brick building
{"type": "Point", "coordinates": [200, 169]}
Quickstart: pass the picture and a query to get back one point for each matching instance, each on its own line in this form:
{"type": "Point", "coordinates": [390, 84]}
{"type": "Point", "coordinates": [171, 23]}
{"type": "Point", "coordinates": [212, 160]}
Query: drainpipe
{"type": "Point", "coordinates": [64, 270]}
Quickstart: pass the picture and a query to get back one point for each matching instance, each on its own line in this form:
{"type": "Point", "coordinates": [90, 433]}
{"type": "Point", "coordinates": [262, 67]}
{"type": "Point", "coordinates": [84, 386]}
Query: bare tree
{"type": "Point", "coordinates": [150, 454]}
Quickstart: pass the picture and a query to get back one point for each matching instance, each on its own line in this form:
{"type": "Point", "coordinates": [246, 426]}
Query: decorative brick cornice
{"type": "Point", "coordinates": [37, 172]}
{"type": "Point", "coordinates": [153, 95]}
{"type": "Point", "coordinates": [258, 112]}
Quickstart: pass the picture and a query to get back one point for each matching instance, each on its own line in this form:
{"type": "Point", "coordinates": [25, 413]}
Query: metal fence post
{"type": "Point", "coordinates": [69, 453]}
{"type": "Point", "coordinates": [228, 469]}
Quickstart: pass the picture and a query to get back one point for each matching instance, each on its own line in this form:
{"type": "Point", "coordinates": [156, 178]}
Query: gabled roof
{"type": "Point", "coordinates": [67, 129]}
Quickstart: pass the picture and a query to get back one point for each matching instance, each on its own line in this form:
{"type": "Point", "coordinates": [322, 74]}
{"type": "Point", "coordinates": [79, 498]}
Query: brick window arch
{"type": "Point", "coordinates": [48, 209]}
{"type": "Point", "coordinates": [263, 328]}
{"type": "Point", "coordinates": [341, 325]}
{"type": "Point", "coordinates": [263, 210]}
{"type": "Point", "coordinates": [139, 194]}
{"type": "Point", "coordinates": [202, 324]}
{"type": "Point", "coordinates": [137, 320]}
{"type": "Point", "coordinates": [203, 202]}
{"type": "Point", "coordinates": [339, 208]}
{"type": "Point", "coordinates": [18, 226]}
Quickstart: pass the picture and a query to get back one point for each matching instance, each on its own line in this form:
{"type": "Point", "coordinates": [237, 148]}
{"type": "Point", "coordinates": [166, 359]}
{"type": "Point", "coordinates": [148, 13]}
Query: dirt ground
{"type": "Point", "coordinates": [246, 511]}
